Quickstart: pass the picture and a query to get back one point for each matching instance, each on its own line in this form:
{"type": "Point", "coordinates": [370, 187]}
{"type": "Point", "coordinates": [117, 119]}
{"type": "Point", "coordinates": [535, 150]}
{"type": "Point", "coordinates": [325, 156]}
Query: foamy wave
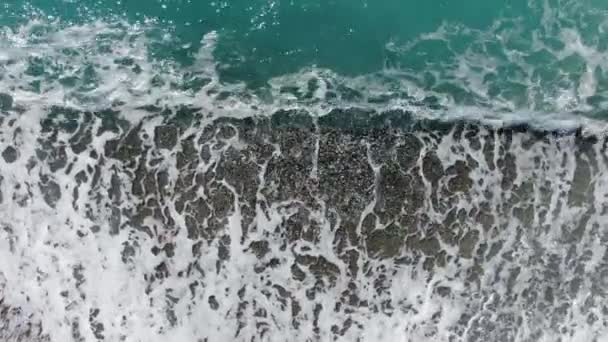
{"type": "Point", "coordinates": [112, 65]}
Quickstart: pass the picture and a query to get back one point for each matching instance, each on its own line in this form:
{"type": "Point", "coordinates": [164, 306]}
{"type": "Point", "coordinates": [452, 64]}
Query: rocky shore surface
{"type": "Point", "coordinates": [352, 226]}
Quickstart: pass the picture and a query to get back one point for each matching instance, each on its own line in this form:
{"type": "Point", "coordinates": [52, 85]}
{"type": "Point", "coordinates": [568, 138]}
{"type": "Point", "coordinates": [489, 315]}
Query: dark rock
{"type": "Point", "coordinates": [432, 167]}
{"type": "Point", "coordinates": [127, 149]}
{"type": "Point", "coordinates": [508, 168]}
{"type": "Point", "coordinates": [10, 154]}
{"type": "Point", "coordinates": [165, 136]}
{"type": "Point", "coordinates": [213, 303]}
{"type": "Point", "coordinates": [6, 102]}
{"type": "Point", "coordinates": [353, 120]}
{"type": "Point", "coordinates": [260, 248]}
{"type": "Point", "coordinates": [51, 192]}
{"type": "Point", "coordinates": [57, 159]}
{"type": "Point", "coordinates": [468, 242]}
{"type": "Point", "coordinates": [408, 151]}
{"type": "Point", "coordinates": [385, 243]}
{"type": "Point", "coordinates": [460, 182]}
{"type": "Point", "coordinates": [393, 187]}
{"type": "Point", "coordinates": [188, 153]}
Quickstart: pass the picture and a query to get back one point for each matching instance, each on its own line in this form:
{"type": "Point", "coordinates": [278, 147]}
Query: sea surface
{"type": "Point", "coordinates": [313, 170]}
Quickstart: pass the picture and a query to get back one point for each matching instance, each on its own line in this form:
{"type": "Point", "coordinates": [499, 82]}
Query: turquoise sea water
{"type": "Point", "coordinates": [496, 57]}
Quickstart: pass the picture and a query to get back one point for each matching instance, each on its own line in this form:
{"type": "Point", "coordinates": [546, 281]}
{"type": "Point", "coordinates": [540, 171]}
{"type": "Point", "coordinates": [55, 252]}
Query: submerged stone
{"type": "Point", "coordinates": [6, 101]}
{"type": "Point", "coordinates": [165, 136]}
{"type": "Point", "coordinates": [385, 243]}
{"type": "Point", "coordinates": [51, 192]}
{"type": "Point", "coordinates": [10, 154]}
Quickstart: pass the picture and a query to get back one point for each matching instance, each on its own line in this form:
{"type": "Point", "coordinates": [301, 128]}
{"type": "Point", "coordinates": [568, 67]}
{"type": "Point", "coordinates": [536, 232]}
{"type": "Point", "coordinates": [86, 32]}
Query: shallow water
{"type": "Point", "coordinates": [271, 171]}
